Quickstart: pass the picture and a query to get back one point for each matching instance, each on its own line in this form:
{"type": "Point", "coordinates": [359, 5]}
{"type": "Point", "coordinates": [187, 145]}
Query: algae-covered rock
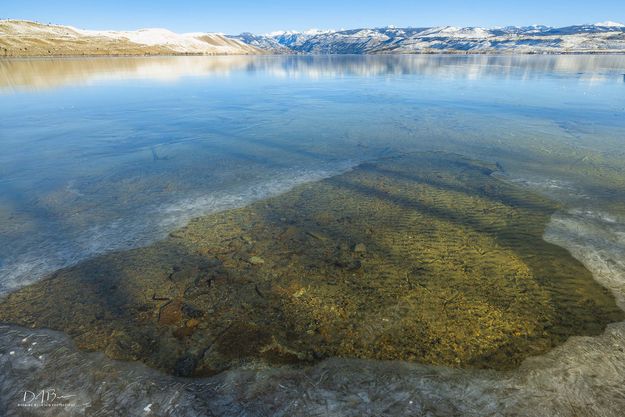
{"type": "Point", "coordinates": [424, 257]}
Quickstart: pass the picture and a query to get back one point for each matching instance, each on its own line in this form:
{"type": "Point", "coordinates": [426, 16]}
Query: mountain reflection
{"type": "Point", "coordinates": [35, 74]}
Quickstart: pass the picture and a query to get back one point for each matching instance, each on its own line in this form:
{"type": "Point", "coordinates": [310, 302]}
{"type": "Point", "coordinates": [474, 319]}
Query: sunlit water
{"type": "Point", "coordinates": [105, 154]}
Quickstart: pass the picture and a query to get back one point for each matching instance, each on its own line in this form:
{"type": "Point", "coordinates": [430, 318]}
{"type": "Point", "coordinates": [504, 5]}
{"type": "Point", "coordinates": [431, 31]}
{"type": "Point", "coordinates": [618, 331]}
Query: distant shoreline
{"type": "Point", "coordinates": [450, 53]}
{"type": "Point", "coordinates": [8, 56]}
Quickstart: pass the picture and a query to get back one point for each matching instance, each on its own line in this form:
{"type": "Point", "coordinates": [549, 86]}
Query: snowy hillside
{"type": "Point", "coordinates": [604, 37]}
{"type": "Point", "coordinates": [23, 38]}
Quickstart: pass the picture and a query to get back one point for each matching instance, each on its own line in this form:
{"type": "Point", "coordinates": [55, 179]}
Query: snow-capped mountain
{"type": "Point", "coordinates": [25, 38]}
{"type": "Point", "coordinates": [267, 43]}
{"type": "Point", "coordinates": [603, 37]}
{"type": "Point", "coordinates": [610, 24]}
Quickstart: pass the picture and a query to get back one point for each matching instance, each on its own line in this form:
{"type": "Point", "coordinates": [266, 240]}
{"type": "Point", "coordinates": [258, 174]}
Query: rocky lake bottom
{"type": "Point", "coordinates": [424, 257]}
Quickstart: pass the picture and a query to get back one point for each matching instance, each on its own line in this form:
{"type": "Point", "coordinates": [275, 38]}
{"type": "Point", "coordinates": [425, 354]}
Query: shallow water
{"type": "Point", "coordinates": [100, 154]}
{"type": "Point", "coordinates": [104, 154]}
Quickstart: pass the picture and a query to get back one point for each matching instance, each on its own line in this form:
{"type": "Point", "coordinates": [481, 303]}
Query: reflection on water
{"type": "Point", "coordinates": [33, 74]}
{"type": "Point", "coordinates": [119, 162]}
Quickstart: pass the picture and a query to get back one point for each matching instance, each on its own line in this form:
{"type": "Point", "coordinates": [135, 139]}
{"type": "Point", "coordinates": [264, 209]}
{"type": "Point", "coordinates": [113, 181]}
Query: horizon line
{"type": "Point", "coordinates": [606, 23]}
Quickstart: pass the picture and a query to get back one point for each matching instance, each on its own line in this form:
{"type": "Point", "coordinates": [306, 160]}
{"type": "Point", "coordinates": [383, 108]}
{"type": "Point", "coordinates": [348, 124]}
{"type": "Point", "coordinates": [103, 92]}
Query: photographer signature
{"type": "Point", "coordinates": [45, 398]}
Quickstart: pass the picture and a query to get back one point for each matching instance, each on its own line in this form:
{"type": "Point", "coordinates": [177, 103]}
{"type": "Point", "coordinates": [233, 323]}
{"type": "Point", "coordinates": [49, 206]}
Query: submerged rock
{"type": "Point", "coordinates": [185, 366]}
{"type": "Point", "coordinates": [360, 248]}
{"type": "Point", "coordinates": [191, 311]}
{"type": "Point", "coordinates": [424, 257]}
{"type": "Point", "coordinates": [257, 260]}
{"type": "Point", "coordinates": [170, 313]}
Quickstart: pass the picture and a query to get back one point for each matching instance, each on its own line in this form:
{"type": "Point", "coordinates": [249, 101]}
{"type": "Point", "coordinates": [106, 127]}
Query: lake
{"type": "Point", "coordinates": [506, 173]}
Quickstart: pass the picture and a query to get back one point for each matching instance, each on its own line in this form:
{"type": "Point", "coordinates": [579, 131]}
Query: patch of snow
{"type": "Point", "coordinates": [456, 32]}
{"type": "Point", "coordinates": [610, 24]}
{"type": "Point", "coordinates": [309, 32]}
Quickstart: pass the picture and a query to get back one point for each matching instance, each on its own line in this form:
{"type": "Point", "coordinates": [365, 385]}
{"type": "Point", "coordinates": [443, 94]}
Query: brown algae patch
{"type": "Point", "coordinates": [424, 257]}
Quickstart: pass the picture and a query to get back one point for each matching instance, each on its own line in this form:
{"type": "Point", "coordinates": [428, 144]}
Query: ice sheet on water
{"type": "Point", "coordinates": [176, 215]}
{"type": "Point", "coordinates": [597, 239]}
{"type": "Point", "coordinates": [147, 225]}
{"type": "Point", "coordinates": [583, 377]}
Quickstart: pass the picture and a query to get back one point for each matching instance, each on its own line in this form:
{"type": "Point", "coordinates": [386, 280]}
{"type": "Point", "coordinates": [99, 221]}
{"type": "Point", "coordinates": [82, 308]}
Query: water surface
{"type": "Point", "coordinates": [100, 154]}
{"type": "Point", "coordinates": [105, 154]}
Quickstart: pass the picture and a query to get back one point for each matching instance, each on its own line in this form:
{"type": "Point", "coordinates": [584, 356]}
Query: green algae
{"type": "Point", "coordinates": [425, 257]}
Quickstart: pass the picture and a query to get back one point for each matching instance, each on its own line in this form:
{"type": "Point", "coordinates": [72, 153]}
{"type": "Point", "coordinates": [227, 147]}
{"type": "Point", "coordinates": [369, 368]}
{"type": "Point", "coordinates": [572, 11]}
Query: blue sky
{"type": "Point", "coordinates": [235, 16]}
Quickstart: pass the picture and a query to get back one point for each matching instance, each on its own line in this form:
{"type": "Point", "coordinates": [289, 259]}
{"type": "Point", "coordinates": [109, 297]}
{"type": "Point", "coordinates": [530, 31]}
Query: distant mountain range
{"type": "Point", "coordinates": [604, 37]}
{"type": "Point", "coordinates": [24, 38]}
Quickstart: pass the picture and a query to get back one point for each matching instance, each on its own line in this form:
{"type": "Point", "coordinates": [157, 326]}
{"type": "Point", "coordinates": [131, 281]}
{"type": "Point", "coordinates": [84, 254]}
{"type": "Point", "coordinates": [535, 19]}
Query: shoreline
{"type": "Point", "coordinates": [146, 55]}
{"type": "Point", "coordinates": [270, 54]}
